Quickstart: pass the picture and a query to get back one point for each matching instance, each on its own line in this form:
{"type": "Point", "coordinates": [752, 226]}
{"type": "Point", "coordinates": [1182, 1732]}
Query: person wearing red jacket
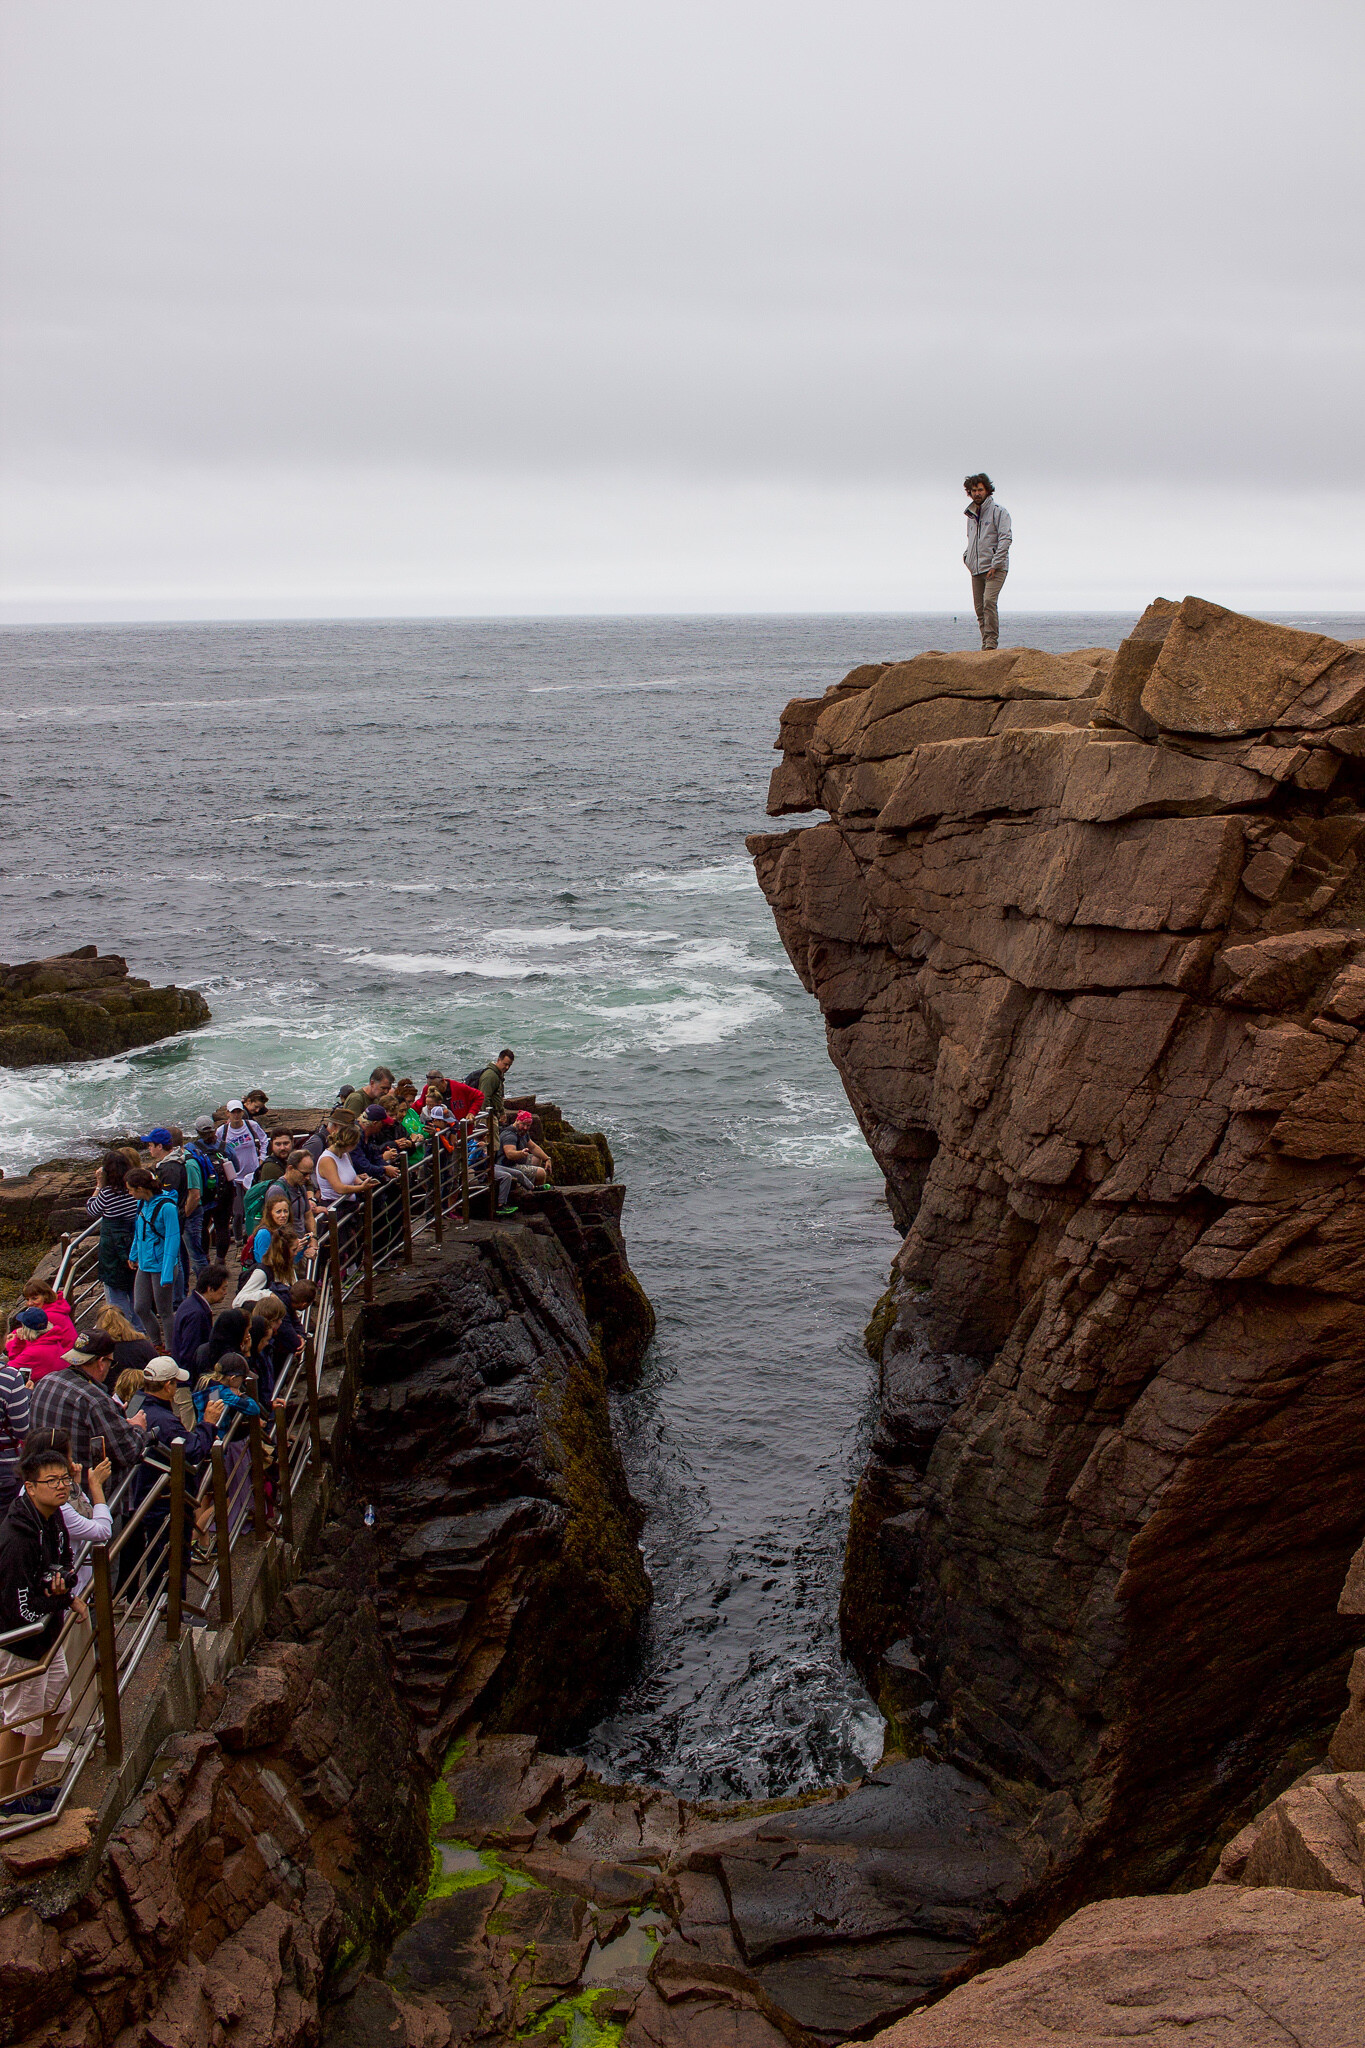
{"type": "Point", "coordinates": [43, 1333]}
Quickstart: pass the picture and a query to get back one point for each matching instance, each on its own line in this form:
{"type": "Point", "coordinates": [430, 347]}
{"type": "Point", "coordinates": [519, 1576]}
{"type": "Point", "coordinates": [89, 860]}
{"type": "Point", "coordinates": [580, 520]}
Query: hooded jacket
{"type": "Point", "coordinates": [31, 1546]}
{"type": "Point", "coordinates": [156, 1237]}
{"type": "Point", "coordinates": [988, 538]}
{"type": "Point", "coordinates": [39, 1355]}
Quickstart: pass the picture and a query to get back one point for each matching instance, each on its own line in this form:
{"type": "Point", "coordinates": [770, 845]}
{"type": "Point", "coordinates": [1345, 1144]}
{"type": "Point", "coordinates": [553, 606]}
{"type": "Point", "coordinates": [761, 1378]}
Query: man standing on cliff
{"type": "Point", "coordinates": [987, 553]}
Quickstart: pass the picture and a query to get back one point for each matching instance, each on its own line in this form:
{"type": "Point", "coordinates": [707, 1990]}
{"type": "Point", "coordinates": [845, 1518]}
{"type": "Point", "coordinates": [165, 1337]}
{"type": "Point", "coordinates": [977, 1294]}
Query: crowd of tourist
{"type": "Point", "coordinates": [206, 1238]}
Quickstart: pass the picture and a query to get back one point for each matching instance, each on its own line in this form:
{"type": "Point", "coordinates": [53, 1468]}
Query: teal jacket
{"type": "Point", "coordinates": [156, 1237]}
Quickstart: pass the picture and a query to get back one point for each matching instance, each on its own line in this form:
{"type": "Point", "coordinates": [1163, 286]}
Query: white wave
{"type": "Point", "coordinates": [723, 878]}
{"type": "Point", "coordinates": [573, 935]}
{"type": "Point", "coordinates": [492, 968]}
{"type": "Point", "coordinates": [590, 689]}
{"type": "Point", "coordinates": [699, 1019]}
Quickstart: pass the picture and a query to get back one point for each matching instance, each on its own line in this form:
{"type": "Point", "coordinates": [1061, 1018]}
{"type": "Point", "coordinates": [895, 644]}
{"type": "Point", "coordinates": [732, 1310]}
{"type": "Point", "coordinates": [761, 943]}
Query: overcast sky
{"type": "Point", "coordinates": [315, 307]}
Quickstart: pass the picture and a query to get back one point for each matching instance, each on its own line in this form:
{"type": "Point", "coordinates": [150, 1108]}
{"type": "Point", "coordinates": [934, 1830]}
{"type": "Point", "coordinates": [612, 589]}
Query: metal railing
{"type": "Point", "coordinates": [169, 1563]}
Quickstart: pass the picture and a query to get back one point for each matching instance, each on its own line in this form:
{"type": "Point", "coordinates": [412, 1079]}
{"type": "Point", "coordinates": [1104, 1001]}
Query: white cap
{"type": "Point", "coordinates": [234, 1105]}
{"type": "Point", "coordinates": [163, 1368]}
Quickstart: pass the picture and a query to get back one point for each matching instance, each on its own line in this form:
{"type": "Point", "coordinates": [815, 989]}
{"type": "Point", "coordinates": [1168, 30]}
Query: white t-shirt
{"type": "Point", "coordinates": [242, 1149]}
{"type": "Point", "coordinates": [346, 1174]}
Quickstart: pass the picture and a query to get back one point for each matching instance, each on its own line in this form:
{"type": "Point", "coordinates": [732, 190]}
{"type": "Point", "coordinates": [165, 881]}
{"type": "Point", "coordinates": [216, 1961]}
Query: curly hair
{"type": "Point", "coordinates": [980, 478]}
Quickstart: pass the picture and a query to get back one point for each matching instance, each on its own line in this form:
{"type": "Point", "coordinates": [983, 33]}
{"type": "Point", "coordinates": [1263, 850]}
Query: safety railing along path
{"type": "Point", "coordinates": [178, 1549]}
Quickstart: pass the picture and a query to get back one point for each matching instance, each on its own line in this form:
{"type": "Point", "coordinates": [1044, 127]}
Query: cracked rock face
{"type": "Point", "coordinates": [1088, 933]}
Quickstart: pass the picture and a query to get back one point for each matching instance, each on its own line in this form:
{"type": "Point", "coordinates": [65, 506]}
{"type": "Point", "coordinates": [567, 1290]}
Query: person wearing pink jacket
{"type": "Point", "coordinates": [43, 1333]}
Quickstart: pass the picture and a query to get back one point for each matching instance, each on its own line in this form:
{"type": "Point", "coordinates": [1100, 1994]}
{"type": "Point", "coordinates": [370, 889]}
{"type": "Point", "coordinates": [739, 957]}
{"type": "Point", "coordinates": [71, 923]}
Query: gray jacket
{"type": "Point", "coordinates": [988, 539]}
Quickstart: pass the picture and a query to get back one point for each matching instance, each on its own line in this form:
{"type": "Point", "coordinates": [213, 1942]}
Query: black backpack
{"type": "Point", "coordinates": [170, 1174]}
{"type": "Point", "coordinates": [473, 1080]}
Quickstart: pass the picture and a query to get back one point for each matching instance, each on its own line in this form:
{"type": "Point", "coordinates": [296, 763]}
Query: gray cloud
{"type": "Point", "coordinates": [736, 246]}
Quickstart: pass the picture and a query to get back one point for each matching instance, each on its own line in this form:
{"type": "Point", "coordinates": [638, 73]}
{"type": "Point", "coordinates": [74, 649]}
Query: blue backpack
{"type": "Point", "coordinates": [210, 1173]}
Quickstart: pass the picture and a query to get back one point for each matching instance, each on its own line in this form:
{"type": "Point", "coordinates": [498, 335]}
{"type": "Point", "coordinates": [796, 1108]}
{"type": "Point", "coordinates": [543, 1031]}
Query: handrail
{"type": "Point", "coordinates": [134, 1608]}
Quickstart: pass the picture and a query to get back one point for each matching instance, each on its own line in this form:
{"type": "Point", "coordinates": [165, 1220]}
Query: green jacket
{"type": "Point", "coordinates": [491, 1082]}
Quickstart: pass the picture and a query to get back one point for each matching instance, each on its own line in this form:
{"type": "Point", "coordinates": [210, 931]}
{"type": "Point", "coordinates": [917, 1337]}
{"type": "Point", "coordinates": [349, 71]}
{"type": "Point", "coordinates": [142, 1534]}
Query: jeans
{"type": "Point", "coordinates": [194, 1238]}
{"type": "Point", "coordinates": [154, 1300]}
{"type": "Point", "coordinates": [985, 593]}
{"type": "Point", "coordinates": [121, 1298]}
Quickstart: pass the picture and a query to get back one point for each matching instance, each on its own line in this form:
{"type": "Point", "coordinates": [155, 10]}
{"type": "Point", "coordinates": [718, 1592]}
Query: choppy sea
{"type": "Point", "coordinates": [417, 841]}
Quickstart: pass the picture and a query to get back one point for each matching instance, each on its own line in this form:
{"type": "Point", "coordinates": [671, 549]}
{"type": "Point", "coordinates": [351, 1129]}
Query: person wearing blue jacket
{"type": "Point", "coordinates": [154, 1255]}
{"type": "Point", "coordinates": [222, 1389]}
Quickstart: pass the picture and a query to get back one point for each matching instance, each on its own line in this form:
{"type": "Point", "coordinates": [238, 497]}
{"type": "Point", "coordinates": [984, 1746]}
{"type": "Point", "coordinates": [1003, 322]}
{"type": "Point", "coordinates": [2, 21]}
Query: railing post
{"type": "Point", "coordinates": [310, 1367]}
{"type": "Point", "coordinates": [222, 1537]}
{"type": "Point", "coordinates": [407, 1207]}
{"type": "Point", "coordinates": [367, 1203]}
{"type": "Point", "coordinates": [258, 1510]}
{"type": "Point", "coordinates": [464, 1169]}
{"type": "Point", "coordinates": [282, 1461]}
{"type": "Point", "coordinates": [437, 1191]}
{"type": "Point", "coordinates": [175, 1545]}
{"type": "Point", "coordinates": [334, 1254]}
{"type": "Point", "coordinates": [494, 1134]}
{"type": "Point", "coordinates": [106, 1648]}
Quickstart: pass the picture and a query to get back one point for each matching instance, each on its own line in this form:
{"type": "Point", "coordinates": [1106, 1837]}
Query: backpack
{"type": "Point", "coordinates": [473, 1080]}
{"type": "Point", "coordinates": [170, 1174]}
{"type": "Point", "coordinates": [209, 1173]}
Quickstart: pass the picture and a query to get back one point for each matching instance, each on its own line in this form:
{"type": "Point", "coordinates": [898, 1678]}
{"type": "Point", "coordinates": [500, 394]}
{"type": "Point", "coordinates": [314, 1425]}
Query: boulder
{"type": "Point", "coordinates": [1203, 1969]}
{"type": "Point", "coordinates": [86, 1005]}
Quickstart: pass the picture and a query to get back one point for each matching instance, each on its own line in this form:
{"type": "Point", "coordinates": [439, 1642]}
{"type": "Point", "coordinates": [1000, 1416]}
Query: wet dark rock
{"type": "Point", "coordinates": [482, 1437]}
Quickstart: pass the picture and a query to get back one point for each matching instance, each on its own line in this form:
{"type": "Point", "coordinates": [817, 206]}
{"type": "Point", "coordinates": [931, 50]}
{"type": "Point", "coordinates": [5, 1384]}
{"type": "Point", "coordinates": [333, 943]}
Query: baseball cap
{"type": "Point", "coordinates": [34, 1320]}
{"type": "Point", "coordinates": [89, 1344]}
{"type": "Point", "coordinates": [234, 1105]}
{"type": "Point", "coordinates": [439, 1114]}
{"type": "Point", "coordinates": [374, 1115]}
{"type": "Point", "coordinates": [163, 1369]}
{"type": "Point", "coordinates": [231, 1366]}
{"type": "Point", "coordinates": [203, 1123]}
{"type": "Point", "coordinates": [158, 1135]}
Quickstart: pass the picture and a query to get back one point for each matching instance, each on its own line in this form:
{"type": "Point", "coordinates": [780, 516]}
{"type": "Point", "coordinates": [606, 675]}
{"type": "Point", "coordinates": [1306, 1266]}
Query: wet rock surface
{"type": "Point", "coordinates": [553, 1893]}
{"type": "Point", "coordinates": [1088, 933]}
{"type": "Point", "coordinates": [511, 1581]}
{"type": "Point", "coordinates": [84, 1006]}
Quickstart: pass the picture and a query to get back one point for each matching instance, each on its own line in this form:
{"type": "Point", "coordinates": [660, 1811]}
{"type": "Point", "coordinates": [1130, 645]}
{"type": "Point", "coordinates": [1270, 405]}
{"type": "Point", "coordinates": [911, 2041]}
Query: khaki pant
{"type": "Point", "coordinates": [985, 593]}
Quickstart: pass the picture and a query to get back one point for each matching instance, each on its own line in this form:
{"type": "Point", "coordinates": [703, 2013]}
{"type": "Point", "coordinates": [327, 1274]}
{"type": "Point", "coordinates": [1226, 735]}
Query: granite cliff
{"type": "Point", "coordinates": [1088, 933]}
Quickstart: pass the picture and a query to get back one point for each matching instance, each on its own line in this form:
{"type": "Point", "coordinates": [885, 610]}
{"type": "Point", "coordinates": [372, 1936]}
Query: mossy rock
{"type": "Point", "coordinates": [88, 1027]}
{"type": "Point", "coordinates": [33, 1045]}
{"type": "Point", "coordinates": [880, 1324]}
{"type": "Point", "coordinates": [577, 1162]}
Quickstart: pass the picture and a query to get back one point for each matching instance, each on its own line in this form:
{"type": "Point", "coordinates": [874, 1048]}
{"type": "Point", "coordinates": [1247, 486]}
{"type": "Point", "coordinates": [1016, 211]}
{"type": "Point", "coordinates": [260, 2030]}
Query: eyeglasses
{"type": "Point", "coordinates": [55, 1479]}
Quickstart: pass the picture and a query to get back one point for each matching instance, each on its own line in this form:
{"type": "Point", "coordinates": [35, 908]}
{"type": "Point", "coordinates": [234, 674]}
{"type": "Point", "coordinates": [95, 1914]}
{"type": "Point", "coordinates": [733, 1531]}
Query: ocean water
{"type": "Point", "coordinates": [415, 842]}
